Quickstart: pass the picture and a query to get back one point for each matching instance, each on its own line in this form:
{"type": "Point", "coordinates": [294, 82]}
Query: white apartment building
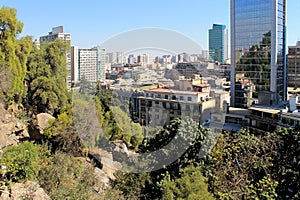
{"type": "Point", "coordinates": [88, 64]}
{"type": "Point", "coordinates": [159, 106]}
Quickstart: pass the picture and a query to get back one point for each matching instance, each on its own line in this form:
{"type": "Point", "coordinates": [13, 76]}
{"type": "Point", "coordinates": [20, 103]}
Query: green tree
{"type": "Point", "coordinates": [133, 186]}
{"type": "Point", "coordinates": [46, 78]}
{"type": "Point", "coordinates": [240, 166]}
{"type": "Point", "coordinates": [187, 133]}
{"type": "Point", "coordinates": [131, 132]}
{"type": "Point", "coordinates": [190, 185]}
{"type": "Point", "coordinates": [13, 55]}
{"type": "Point", "coordinates": [286, 166]}
{"type": "Point", "coordinates": [62, 134]}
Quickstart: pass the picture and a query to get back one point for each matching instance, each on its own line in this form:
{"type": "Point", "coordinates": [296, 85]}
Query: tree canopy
{"type": "Point", "coordinates": [13, 55]}
{"type": "Point", "coordinates": [46, 77]}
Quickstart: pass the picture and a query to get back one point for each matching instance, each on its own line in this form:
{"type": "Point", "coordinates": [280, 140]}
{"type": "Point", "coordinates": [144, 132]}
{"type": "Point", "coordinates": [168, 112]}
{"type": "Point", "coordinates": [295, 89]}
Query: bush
{"type": "Point", "coordinates": [23, 162]}
{"type": "Point", "coordinates": [67, 177]}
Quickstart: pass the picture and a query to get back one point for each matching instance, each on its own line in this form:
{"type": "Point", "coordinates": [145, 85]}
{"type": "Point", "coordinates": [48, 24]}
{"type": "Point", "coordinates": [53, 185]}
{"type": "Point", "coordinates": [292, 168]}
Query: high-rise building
{"type": "Point", "coordinates": [131, 59]}
{"type": "Point", "coordinates": [88, 64]}
{"type": "Point", "coordinates": [258, 61]}
{"type": "Point", "coordinates": [218, 43]}
{"type": "Point", "coordinates": [58, 33]}
{"type": "Point", "coordinates": [293, 71]}
{"type": "Point", "coordinates": [101, 66]}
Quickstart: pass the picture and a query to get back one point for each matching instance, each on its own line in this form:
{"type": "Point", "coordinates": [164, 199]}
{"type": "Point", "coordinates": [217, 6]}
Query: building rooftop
{"type": "Point", "coordinates": [294, 115]}
{"type": "Point", "coordinates": [266, 109]}
{"type": "Point", "coordinates": [238, 111]}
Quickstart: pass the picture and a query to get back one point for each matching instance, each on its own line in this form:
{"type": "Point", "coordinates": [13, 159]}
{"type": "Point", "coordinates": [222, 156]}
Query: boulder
{"type": "Point", "coordinates": [43, 120]}
{"type": "Point", "coordinates": [38, 125]}
{"type": "Point", "coordinates": [102, 181]}
{"type": "Point", "coordinates": [12, 130]}
{"type": "Point", "coordinates": [26, 190]}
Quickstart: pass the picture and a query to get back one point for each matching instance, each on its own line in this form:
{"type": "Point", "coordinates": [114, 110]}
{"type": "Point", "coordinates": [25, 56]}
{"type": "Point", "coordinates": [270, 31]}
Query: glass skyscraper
{"type": "Point", "coordinates": [218, 43]}
{"type": "Point", "coordinates": [258, 61]}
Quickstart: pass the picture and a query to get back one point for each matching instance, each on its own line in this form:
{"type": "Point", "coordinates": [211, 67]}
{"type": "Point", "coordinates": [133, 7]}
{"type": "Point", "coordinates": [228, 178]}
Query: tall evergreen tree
{"type": "Point", "coordinates": [46, 77]}
{"type": "Point", "coordinates": [13, 55]}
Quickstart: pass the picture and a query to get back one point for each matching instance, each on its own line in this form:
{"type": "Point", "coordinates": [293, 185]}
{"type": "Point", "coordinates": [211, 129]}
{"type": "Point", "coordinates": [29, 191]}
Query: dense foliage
{"type": "Point", "coordinates": [240, 166]}
{"type": "Point", "coordinates": [62, 176]}
{"type": "Point", "coordinates": [23, 162]}
{"type": "Point", "coordinates": [13, 55]}
{"type": "Point", "coordinates": [190, 185]}
{"type": "Point", "coordinates": [45, 78]}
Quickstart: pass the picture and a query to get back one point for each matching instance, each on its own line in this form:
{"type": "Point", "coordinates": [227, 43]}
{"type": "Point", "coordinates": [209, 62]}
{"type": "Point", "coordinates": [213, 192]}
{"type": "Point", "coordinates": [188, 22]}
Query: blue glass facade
{"type": "Point", "coordinates": [218, 43]}
{"type": "Point", "coordinates": [257, 50]}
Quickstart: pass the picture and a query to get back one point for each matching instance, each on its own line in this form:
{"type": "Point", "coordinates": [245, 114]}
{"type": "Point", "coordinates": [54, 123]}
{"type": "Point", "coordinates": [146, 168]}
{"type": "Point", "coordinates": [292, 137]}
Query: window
{"type": "Point", "coordinates": [187, 108]}
{"type": "Point", "coordinates": [189, 98]}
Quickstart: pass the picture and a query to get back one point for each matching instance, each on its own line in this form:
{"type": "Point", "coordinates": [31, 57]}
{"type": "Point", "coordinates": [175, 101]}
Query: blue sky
{"type": "Point", "coordinates": [92, 22]}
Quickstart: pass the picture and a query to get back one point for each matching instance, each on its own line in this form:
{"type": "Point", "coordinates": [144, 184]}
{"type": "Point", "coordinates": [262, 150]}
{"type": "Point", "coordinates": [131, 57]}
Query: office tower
{"type": "Point", "coordinates": [140, 59]}
{"type": "Point", "coordinates": [218, 43]}
{"type": "Point", "coordinates": [58, 33]}
{"type": "Point", "coordinates": [88, 64]}
{"type": "Point", "coordinates": [148, 59]}
{"type": "Point", "coordinates": [258, 61]}
{"type": "Point", "coordinates": [131, 59]}
{"type": "Point", "coordinates": [293, 71]}
{"type": "Point", "coordinates": [205, 55]}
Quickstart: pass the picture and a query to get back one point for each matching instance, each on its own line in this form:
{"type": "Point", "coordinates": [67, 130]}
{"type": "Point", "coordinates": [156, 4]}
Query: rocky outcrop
{"type": "Point", "coordinates": [26, 190]}
{"type": "Point", "coordinates": [101, 178]}
{"type": "Point", "coordinates": [108, 165]}
{"type": "Point", "coordinates": [111, 159]}
{"type": "Point", "coordinates": [102, 181]}
{"type": "Point", "coordinates": [12, 130]}
{"type": "Point", "coordinates": [38, 124]}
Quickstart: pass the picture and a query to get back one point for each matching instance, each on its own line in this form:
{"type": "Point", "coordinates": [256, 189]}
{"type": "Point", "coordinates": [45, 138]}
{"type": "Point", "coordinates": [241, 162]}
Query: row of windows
{"type": "Point", "coordinates": [167, 105]}
{"type": "Point", "coordinates": [171, 97]}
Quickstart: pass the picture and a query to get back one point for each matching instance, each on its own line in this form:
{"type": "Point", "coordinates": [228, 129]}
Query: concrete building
{"type": "Point", "coordinates": [293, 67]}
{"type": "Point", "coordinates": [58, 33]}
{"type": "Point", "coordinates": [101, 65]}
{"type": "Point", "coordinates": [148, 59]}
{"type": "Point", "coordinates": [227, 118]}
{"type": "Point", "coordinates": [161, 105]}
{"type": "Point", "coordinates": [205, 55]}
{"type": "Point", "coordinates": [263, 118]}
{"type": "Point", "coordinates": [294, 103]}
{"type": "Point", "coordinates": [218, 43]}
{"type": "Point", "coordinates": [289, 120]}
{"type": "Point", "coordinates": [258, 40]}
{"type": "Point", "coordinates": [88, 65]}
{"type": "Point", "coordinates": [186, 69]}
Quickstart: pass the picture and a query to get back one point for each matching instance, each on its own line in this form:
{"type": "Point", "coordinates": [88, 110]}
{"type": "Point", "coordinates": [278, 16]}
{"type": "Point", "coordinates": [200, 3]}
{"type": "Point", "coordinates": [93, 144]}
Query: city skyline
{"type": "Point", "coordinates": [95, 22]}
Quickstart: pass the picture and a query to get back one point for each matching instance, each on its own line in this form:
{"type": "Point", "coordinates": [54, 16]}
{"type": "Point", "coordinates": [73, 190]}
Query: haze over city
{"type": "Point", "coordinates": [93, 22]}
